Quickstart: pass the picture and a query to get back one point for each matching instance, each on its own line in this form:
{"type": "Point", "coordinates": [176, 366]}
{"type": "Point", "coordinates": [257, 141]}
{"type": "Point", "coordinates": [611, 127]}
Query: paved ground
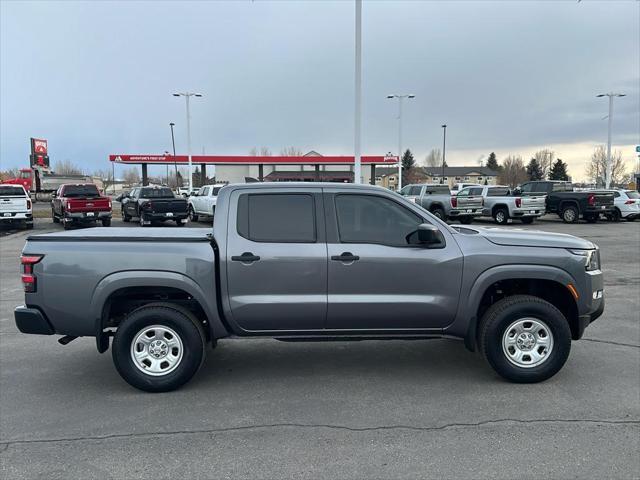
{"type": "Point", "coordinates": [265, 409]}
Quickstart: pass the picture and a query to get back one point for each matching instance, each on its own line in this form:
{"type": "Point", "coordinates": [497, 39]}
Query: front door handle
{"type": "Point", "coordinates": [345, 257]}
{"type": "Point", "coordinates": [246, 257]}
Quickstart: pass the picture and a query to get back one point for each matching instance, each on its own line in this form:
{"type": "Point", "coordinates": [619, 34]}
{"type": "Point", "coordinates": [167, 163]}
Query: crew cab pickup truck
{"type": "Point", "coordinates": [203, 202]}
{"type": "Point", "coordinates": [297, 262]}
{"type": "Point", "coordinates": [437, 199]}
{"type": "Point", "coordinates": [15, 206]}
{"type": "Point", "coordinates": [153, 204]}
{"type": "Point", "coordinates": [568, 204]}
{"type": "Point", "coordinates": [80, 204]}
{"type": "Point", "coordinates": [501, 205]}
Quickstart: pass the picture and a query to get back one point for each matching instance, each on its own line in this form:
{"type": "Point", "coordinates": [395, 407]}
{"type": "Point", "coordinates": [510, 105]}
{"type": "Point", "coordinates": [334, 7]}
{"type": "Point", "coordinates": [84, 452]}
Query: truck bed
{"type": "Point", "coordinates": [122, 234]}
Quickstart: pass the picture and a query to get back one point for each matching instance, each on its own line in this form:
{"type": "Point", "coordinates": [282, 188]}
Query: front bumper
{"type": "Point", "coordinates": [32, 320]}
{"type": "Point", "coordinates": [82, 217]}
{"type": "Point", "coordinates": [591, 305]}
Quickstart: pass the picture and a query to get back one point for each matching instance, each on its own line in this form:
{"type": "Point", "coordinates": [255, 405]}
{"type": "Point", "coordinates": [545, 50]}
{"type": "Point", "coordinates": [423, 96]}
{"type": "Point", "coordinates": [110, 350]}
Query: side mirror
{"type": "Point", "coordinates": [429, 234]}
{"type": "Point", "coordinates": [516, 191]}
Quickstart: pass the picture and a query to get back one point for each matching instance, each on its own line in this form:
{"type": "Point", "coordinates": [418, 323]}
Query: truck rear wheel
{"type": "Point", "coordinates": [192, 214]}
{"type": "Point", "coordinates": [501, 216]}
{"type": "Point", "coordinates": [106, 222]}
{"type": "Point", "coordinates": [437, 212]}
{"type": "Point", "coordinates": [53, 217]}
{"type": "Point", "coordinates": [569, 214]}
{"type": "Point", "coordinates": [525, 339]}
{"type": "Point", "coordinates": [159, 347]}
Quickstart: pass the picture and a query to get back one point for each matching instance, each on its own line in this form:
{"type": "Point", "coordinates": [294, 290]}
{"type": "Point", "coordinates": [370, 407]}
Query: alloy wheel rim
{"type": "Point", "coordinates": [500, 217]}
{"type": "Point", "coordinates": [157, 350]}
{"type": "Point", "coordinates": [527, 342]}
{"type": "Point", "coordinates": [569, 215]}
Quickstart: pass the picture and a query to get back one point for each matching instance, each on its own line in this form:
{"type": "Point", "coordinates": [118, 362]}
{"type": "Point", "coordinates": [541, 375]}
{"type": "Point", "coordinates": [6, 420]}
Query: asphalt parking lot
{"type": "Point", "coordinates": [266, 409]}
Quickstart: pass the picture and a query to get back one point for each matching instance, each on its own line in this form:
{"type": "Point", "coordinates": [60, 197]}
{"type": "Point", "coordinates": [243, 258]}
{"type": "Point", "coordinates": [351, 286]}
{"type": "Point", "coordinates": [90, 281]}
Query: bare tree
{"type": "Point", "coordinates": [597, 167]}
{"type": "Point", "coordinates": [291, 152]}
{"type": "Point", "coordinates": [263, 152]}
{"type": "Point", "coordinates": [67, 167]}
{"type": "Point", "coordinates": [433, 158]}
{"type": "Point", "coordinates": [513, 171]}
{"type": "Point", "coordinates": [545, 158]}
{"type": "Point", "coordinates": [131, 176]}
{"type": "Point", "coordinates": [106, 176]}
{"type": "Point", "coordinates": [9, 173]}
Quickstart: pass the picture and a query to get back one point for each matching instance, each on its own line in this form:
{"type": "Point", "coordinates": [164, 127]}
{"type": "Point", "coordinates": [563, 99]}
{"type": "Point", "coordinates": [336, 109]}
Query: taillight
{"type": "Point", "coordinates": [454, 202]}
{"type": "Point", "coordinates": [109, 203]}
{"type": "Point", "coordinates": [591, 200]}
{"type": "Point", "coordinates": [629, 202]}
{"type": "Point", "coordinates": [28, 278]}
{"type": "Point", "coordinates": [28, 204]}
{"type": "Point", "coordinates": [518, 202]}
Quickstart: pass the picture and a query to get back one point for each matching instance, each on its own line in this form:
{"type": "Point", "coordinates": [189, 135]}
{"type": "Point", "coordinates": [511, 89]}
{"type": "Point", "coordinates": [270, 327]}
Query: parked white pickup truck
{"type": "Point", "coordinates": [15, 206]}
{"type": "Point", "coordinates": [203, 202]}
{"type": "Point", "coordinates": [502, 205]}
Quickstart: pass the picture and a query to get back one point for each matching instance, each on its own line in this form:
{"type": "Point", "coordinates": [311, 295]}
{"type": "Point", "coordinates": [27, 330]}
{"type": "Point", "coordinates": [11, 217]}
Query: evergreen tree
{"type": "Point", "coordinates": [559, 171]}
{"type": "Point", "coordinates": [492, 162]}
{"type": "Point", "coordinates": [408, 162]}
{"type": "Point", "coordinates": [534, 171]}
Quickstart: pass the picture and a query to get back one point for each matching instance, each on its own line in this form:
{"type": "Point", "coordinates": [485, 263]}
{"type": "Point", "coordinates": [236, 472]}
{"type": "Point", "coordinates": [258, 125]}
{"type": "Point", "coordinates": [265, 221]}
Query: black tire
{"type": "Point", "coordinates": [616, 215]}
{"type": "Point", "coordinates": [66, 225]}
{"type": "Point", "coordinates": [497, 320]}
{"type": "Point", "coordinates": [183, 323]}
{"type": "Point", "coordinates": [179, 223]}
{"type": "Point", "coordinates": [527, 220]}
{"type": "Point", "coordinates": [501, 216]}
{"type": "Point", "coordinates": [466, 220]}
{"type": "Point", "coordinates": [631, 219]}
{"type": "Point", "coordinates": [53, 217]}
{"type": "Point", "coordinates": [437, 212]}
{"type": "Point", "coordinates": [28, 225]}
{"type": "Point", "coordinates": [106, 222]}
{"type": "Point", "coordinates": [591, 218]}
{"type": "Point", "coordinates": [125, 218]}
{"type": "Point", "coordinates": [192, 214]}
{"type": "Point", "coordinates": [569, 214]}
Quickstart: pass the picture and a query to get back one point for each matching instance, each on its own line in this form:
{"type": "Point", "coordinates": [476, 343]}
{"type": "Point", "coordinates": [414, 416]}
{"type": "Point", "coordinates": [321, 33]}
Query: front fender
{"type": "Point", "coordinates": [466, 322]}
{"type": "Point", "coordinates": [154, 278]}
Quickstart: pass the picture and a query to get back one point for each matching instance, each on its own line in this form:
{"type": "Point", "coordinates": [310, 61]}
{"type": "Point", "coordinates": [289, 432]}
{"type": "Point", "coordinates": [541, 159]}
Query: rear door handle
{"type": "Point", "coordinates": [246, 257]}
{"type": "Point", "coordinates": [345, 257]}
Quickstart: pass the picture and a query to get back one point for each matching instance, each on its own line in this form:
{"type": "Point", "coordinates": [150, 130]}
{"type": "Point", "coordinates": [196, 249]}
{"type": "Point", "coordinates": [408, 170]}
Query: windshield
{"type": "Point", "coordinates": [7, 191]}
{"type": "Point", "coordinates": [81, 191]}
{"type": "Point", "coordinates": [156, 193]}
{"type": "Point", "coordinates": [216, 190]}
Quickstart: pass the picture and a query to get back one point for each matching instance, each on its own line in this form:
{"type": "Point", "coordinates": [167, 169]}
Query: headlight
{"type": "Point", "coordinates": [591, 258]}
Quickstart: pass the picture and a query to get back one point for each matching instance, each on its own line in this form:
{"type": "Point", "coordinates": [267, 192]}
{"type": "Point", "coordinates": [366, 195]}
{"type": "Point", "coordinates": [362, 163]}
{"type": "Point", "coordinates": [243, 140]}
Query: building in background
{"type": "Point", "coordinates": [388, 177]}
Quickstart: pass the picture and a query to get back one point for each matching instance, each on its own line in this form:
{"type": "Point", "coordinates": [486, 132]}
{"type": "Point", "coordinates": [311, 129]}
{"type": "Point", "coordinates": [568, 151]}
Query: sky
{"type": "Point", "coordinates": [510, 76]}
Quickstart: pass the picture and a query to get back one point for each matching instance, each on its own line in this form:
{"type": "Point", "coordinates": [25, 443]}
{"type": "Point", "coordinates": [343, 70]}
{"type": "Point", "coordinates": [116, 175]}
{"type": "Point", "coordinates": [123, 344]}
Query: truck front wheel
{"type": "Point", "coordinates": [159, 347]}
{"type": "Point", "coordinates": [525, 339]}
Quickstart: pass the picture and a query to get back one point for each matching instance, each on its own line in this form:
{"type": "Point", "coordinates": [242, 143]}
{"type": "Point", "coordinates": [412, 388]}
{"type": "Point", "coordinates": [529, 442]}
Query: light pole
{"type": "Point", "coordinates": [187, 96]}
{"type": "Point", "coordinates": [400, 98]}
{"type": "Point", "coordinates": [611, 95]}
{"type": "Point", "coordinates": [358, 100]}
{"type": "Point", "coordinates": [175, 164]}
{"type": "Point", "coordinates": [444, 149]}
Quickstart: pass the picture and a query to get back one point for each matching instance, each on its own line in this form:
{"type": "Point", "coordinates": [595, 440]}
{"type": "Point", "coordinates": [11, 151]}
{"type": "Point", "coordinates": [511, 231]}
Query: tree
{"type": "Point", "coordinates": [131, 176]}
{"type": "Point", "coordinates": [291, 152]}
{"type": "Point", "coordinates": [408, 162]}
{"type": "Point", "coordinates": [597, 167]}
{"type": "Point", "coordinates": [67, 167]}
{"type": "Point", "coordinates": [559, 171]}
{"type": "Point", "coordinates": [492, 163]}
{"type": "Point", "coordinates": [9, 173]}
{"type": "Point", "coordinates": [433, 158]}
{"type": "Point", "coordinates": [513, 172]}
{"type": "Point", "coordinates": [106, 176]}
{"type": "Point", "coordinates": [534, 171]}
{"type": "Point", "coordinates": [545, 158]}
{"type": "Point", "coordinates": [263, 152]}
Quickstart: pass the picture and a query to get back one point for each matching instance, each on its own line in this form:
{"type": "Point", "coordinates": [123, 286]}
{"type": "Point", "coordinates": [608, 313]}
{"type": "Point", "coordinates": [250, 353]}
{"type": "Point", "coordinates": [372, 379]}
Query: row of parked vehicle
{"type": "Point", "coordinates": [526, 203]}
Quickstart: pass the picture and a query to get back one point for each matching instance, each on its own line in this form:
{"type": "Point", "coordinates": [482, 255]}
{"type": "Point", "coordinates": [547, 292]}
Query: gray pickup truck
{"type": "Point", "coordinates": [314, 262]}
{"type": "Point", "coordinates": [437, 199]}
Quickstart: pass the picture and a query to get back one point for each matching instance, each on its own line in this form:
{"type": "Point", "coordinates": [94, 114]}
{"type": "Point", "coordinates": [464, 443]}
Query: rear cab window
{"type": "Point", "coordinates": [89, 190]}
{"type": "Point", "coordinates": [11, 191]}
{"type": "Point", "coordinates": [277, 217]}
{"type": "Point", "coordinates": [156, 193]}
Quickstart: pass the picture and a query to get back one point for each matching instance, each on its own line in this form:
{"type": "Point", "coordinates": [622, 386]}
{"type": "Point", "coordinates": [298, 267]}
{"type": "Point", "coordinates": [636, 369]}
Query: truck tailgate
{"type": "Point", "coordinates": [534, 203]}
{"type": "Point", "coordinates": [13, 204]}
{"type": "Point", "coordinates": [472, 201]}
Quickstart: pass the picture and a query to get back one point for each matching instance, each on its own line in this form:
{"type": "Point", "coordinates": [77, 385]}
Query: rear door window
{"type": "Point", "coordinates": [497, 192]}
{"type": "Point", "coordinates": [277, 218]}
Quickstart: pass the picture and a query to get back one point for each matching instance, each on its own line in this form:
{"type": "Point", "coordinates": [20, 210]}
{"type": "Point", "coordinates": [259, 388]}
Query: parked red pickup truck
{"type": "Point", "coordinates": [80, 203]}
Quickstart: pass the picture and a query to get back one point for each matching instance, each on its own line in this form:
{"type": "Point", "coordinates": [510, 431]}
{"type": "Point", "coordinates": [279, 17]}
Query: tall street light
{"type": "Point", "coordinates": [611, 95]}
{"type": "Point", "coordinates": [400, 99]}
{"type": "Point", "coordinates": [444, 149]}
{"type": "Point", "coordinates": [187, 96]}
{"type": "Point", "coordinates": [358, 100]}
{"type": "Point", "coordinates": [175, 164]}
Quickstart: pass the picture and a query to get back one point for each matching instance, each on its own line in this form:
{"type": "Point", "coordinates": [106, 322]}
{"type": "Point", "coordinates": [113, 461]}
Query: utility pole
{"type": "Point", "coordinates": [400, 98]}
{"type": "Point", "coordinates": [611, 95]}
{"type": "Point", "coordinates": [444, 149]}
{"type": "Point", "coordinates": [358, 100]}
{"type": "Point", "coordinates": [187, 96]}
{"type": "Point", "coordinates": [175, 164]}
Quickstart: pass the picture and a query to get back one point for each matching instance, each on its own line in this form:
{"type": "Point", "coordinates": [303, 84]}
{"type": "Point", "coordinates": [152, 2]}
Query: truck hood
{"type": "Point", "coordinates": [531, 238]}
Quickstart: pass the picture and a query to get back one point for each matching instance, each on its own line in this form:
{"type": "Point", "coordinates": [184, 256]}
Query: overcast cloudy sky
{"type": "Point", "coordinates": [96, 78]}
